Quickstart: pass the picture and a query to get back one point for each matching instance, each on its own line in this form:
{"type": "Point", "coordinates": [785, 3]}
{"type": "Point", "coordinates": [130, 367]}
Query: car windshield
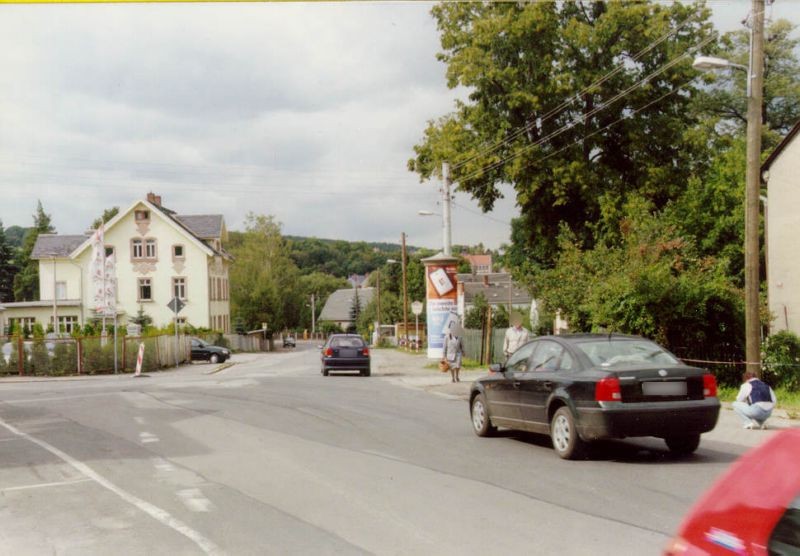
{"type": "Point", "coordinates": [200, 343]}
{"type": "Point", "coordinates": [616, 353]}
{"type": "Point", "coordinates": [347, 343]}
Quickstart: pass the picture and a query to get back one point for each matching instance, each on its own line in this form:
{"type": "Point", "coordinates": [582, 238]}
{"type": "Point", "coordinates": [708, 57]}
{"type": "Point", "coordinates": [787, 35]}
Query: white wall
{"type": "Point", "coordinates": [783, 229]}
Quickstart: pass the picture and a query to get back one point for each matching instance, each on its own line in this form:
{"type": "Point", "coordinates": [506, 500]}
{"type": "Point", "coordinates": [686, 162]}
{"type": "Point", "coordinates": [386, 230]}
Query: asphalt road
{"type": "Point", "coordinates": [269, 457]}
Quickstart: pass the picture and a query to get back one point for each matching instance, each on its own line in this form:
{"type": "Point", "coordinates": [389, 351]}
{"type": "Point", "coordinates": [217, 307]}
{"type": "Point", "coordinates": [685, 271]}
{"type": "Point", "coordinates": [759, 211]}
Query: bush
{"type": "Point", "coordinates": [64, 359]}
{"type": "Point", "coordinates": [781, 359]}
{"type": "Point", "coordinates": [40, 358]}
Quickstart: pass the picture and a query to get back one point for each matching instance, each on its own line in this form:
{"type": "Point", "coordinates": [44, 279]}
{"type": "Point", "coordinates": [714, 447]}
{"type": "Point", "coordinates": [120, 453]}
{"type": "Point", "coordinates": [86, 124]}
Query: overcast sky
{"type": "Point", "coordinates": [308, 112]}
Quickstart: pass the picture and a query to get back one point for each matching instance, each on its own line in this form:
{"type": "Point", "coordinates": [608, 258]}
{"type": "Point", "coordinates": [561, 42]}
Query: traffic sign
{"type": "Point", "coordinates": [416, 307]}
{"type": "Point", "coordinates": [176, 304]}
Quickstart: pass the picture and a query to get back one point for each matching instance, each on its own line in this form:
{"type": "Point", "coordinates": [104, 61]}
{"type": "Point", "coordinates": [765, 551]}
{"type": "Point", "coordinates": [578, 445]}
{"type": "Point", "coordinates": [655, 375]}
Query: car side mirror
{"type": "Point", "coordinates": [496, 368]}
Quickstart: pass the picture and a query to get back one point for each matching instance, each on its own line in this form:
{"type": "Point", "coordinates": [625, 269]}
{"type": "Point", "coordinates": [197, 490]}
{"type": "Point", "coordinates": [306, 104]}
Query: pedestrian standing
{"type": "Point", "coordinates": [453, 352]}
{"type": "Point", "coordinates": [755, 402]}
{"type": "Point", "coordinates": [516, 336]}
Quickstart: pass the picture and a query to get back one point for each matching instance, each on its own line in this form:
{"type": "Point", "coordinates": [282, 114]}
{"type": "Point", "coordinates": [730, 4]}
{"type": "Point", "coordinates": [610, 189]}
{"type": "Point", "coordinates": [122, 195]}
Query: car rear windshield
{"type": "Point", "coordinates": [347, 342]}
{"type": "Point", "coordinates": [618, 353]}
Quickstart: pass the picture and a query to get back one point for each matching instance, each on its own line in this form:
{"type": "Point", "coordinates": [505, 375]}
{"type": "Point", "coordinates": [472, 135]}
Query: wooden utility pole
{"type": "Point", "coordinates": [755, 86]}
{"type": "Point", "coordinates": [378, 316]}
{"type": "Point", "coordinates": [405, 289]}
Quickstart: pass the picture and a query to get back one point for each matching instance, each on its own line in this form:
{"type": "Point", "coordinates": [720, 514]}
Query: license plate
{"type": "Point", "coordinates": [664, 388]}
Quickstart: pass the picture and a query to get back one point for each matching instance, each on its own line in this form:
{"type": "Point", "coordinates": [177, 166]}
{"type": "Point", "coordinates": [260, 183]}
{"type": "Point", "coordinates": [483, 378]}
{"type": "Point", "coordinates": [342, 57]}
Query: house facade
{"type": "Point", "coordinates": [781, 173]}
{"type": "Point", "coordinates": [338, 307]}
{"type": "Point", "coordinates": [159, 255]}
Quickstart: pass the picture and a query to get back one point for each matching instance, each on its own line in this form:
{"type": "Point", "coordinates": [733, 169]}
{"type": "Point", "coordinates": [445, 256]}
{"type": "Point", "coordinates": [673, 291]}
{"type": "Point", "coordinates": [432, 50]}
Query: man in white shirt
{"type": "Point", "coordinates": [755, 402]}
{"type": "Point", "coordinates": [516, 336]}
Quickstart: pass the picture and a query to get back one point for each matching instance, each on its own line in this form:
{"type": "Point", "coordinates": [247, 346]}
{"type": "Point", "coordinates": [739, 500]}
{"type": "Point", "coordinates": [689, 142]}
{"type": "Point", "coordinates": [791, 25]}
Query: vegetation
{"type": "Point", "coordinates": [26, 281]}
{"type": "Point", "coordinates": [7, 267]}
{"type": "Point", "coordinates": [781, 359]}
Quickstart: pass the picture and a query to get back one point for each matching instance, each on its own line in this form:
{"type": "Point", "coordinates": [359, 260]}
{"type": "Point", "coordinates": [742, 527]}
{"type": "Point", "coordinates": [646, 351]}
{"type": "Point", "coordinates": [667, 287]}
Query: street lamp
{"type": "Point", "coordinates": [55, 308]}
{"type": "Point", "coordinates": [755, 86]}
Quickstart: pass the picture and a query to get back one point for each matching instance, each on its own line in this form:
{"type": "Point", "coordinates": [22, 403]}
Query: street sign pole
{"type": "Point", "coordinates": [176, 304]}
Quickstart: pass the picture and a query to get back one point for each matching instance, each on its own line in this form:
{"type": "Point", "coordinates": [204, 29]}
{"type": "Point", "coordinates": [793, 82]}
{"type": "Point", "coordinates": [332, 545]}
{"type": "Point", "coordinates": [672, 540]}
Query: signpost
{"type": "Point", "coordinates": [175, 305]}
{"type": "Point", "coordinates": [416, 308]}
{"type": "Point", "coordinates": [139, 360]}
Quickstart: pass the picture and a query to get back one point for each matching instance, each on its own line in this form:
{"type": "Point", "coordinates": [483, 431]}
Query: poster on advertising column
{"type": "Point", "coordinates": [442, 301]}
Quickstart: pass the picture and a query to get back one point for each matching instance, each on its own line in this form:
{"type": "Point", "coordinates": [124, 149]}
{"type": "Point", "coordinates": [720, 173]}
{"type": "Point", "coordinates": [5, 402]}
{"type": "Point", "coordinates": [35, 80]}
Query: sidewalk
{"type": "Point", "coordinates": [408, 370]}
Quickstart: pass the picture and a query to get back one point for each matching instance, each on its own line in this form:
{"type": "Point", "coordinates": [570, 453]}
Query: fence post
{"type": "Point", "coordinates": [20, 355]}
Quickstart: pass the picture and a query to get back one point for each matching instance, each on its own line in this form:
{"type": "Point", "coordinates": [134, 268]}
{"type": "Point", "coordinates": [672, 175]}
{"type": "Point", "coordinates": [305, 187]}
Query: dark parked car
{"type": "Point", "coordinates": [345, 352]}
{"type": "Point", "coordinates": [289, 341]}
{"type": "Point", "coordinates": [203, 351]}
{"type": "Point", "coordinates": [585, 387]}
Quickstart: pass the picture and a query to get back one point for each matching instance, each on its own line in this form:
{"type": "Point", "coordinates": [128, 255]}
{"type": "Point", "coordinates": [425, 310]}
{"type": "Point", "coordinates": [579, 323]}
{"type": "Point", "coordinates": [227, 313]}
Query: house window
{"type": "Point", "coordinates": [137, 249]}
{"type": "Point", "coordinates": [150, 248]}
{"type": "Point", "coordinates": [109, 251]}
{"type": "Point", "coordinates": [145, 289]}
{"type": "Point", "coordinates": [181, 321]}
{"type": "Point", "coordinates": [66, 324]}
{"type": "Point", "coordinates": [142, 215]}
{"type": "Point", "coordinates": [61, 290]}
{"type": "Point", "coordinates": [22, 322]}
{"type": "Point", "coordinates": [177, 252]}
{"type": "Point", "coordinates": [179, 288]}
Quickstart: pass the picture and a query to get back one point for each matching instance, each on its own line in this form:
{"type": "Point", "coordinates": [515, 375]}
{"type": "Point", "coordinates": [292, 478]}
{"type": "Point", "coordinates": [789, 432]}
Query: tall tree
{"type": "Point", "coordinates": [544, 111]}
{"type": "Point", "coordinates": [107, 215]}
{"type": "Point", "coordinates": [7, 268]}
{"type": "Point", "coordinates": [26, 282]}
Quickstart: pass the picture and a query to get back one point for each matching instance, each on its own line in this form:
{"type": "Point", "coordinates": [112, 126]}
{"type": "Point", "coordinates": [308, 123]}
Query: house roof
{"type": "Point", "coordinates": [496, 294]}
{"type": "Point", "coordinates": [337, 307]}
{"type": "Point", "coordinates": [490, 277]}
{"type": "Point", "coordinates": [60, 246]}
{"type": "Point", "coordinates": [204, 226]}
{"type": "Point", "coordinates": [476, 260]}
{"type": "Point", "coordinates": [776, 152]}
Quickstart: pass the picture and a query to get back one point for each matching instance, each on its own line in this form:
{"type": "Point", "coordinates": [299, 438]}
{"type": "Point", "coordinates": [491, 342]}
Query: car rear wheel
{"type": "Point", "coordinates": [214, 358]}
{"type": "Point", "coordinates": [567, 443]}
{"type": "Point", "coordinates": [481, 423]}
{"type": "Point", "coordinates": [684, 444]}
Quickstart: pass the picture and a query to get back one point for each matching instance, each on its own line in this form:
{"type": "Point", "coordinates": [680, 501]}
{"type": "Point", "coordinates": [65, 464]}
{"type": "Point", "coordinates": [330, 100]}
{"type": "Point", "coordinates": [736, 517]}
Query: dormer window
{"type": "Point", "coordinates": [142, 215]}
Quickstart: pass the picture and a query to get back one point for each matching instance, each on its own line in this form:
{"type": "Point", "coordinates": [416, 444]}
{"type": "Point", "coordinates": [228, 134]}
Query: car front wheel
{"type": "Point", "coordinates": [684, 444]}
{"type": "Point", "coordinates": [479, 412]}
{"type": "Point", "coordinates": [214, 358]}
{"type": "Point", "coordinates": [567, 443]}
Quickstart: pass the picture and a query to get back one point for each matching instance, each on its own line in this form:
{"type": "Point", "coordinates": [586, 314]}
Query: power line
{"type": "Point", "coordinates": [675, 61]}
{"type": "Point", "coordinates": [527, 127]}
{"type": "Point", "coordinates": [483, 214]}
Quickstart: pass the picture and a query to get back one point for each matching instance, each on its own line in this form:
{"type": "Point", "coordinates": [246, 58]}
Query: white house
{"type": "Point", "coordinates": [159, 255]}
{"type": "Point", "coordinates": [781, 173]}
{"type": "Point", "coordinates": [497, 288]}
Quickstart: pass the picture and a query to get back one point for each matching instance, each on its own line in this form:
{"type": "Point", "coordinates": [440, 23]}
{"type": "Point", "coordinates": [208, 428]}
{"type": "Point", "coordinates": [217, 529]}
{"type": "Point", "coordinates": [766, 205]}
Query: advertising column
{"type": "Point", "coordinates": [442, 301]}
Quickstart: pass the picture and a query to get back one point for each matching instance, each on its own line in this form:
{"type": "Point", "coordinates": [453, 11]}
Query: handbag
{"type": "Point", "coordinates": [444, 366]}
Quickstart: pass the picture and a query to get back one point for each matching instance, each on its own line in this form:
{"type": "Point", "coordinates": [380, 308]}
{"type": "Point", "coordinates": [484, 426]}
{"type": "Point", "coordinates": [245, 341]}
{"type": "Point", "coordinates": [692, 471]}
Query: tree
{"type": "Point", "coordinates": [142, 319]}
{"type": "Point", "coordinates": [355, 307]}
{"type": "Point", "coordinates": [7, 268]}
{"type": "Point", "coordinates": [26, 282]}
{"type": "Point", "coordinates": [264, 278]}
{"type": "Point", "coordinates": [108, 214]}
{"type": "Point", "coordinates": [321, 285]}
{"type": "Point", "coordinates": [574, 162]}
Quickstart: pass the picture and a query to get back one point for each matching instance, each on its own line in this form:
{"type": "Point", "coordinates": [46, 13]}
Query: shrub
{"type": "Point", "coordinates": [781, 359]}
{"type": "Point", "coordinates": [40, 358]}
{"type": "Point", "coordinates": [64, 359]}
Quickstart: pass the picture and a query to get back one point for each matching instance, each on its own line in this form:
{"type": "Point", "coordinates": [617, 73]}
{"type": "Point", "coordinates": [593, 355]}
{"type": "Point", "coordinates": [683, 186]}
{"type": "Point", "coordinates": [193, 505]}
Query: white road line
{"type": "Point", "coordinates": [160, 515]}
{"type": "Point", "coordinates": [148, 437]}
{"type": "Point", "coordinates": [44, 485]}
{"type": "Point", "coordinates": [162, 465]}
{"type": "Point", "coordinates": [194, 500]}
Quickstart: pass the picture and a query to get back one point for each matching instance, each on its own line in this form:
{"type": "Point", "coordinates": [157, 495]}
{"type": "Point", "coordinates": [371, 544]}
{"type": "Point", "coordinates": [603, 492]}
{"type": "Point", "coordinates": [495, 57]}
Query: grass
{"type": "Point", "coordinates": [788, 400]}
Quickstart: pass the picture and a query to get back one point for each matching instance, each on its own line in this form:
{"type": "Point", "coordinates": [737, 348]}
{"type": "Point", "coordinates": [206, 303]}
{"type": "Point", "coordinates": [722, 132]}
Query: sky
{"type": "Point", "coordinates": [308, 112]}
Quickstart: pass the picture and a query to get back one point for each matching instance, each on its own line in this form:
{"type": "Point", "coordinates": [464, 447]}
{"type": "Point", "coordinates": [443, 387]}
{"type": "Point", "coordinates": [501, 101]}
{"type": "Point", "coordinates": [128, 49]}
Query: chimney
{"type": "Point", "coordinates": [154, 199]}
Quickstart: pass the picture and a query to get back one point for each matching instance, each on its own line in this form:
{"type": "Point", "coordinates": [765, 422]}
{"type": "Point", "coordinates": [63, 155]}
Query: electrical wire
{"type": "Point", "coordinates": [527, 127]}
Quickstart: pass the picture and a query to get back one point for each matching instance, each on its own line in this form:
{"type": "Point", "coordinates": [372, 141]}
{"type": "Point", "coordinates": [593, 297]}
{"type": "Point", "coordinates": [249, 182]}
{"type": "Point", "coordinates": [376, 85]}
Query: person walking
{"type": "Point", "coordinates": [453, 352]}
{"type": "Point", "coordinates": [516, 336]}
{"type": "Point", "coordinates": [755, 402]}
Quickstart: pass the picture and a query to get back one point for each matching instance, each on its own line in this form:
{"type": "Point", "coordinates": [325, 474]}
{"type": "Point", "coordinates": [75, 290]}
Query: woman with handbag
{"type": "Point", "coordinates": [453, 351]}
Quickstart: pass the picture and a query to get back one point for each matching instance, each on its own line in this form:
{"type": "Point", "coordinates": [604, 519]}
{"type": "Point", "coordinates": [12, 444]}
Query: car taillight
{"type": "Point", "coordinates": [608, 390]}
{"type": "Point", "coordinates": [329, 352]}
{"type": "Point", "coordinates": [365, 352]}
{"type": "Point", "coordinates": [709, 386]}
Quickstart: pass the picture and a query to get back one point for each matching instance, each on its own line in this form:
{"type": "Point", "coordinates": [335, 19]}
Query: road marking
{"type": "Point", "coordinates": [160, 515]}
{"type": "Point", "coordinates": [148, 437]}
{"type": "Point", "coordinates": [44, 485]}
{"type": "Point", "coordinates": [163, 465]}
{"type": "Point", "coordinates": [59, 398]}
{"type": "Point", "coordinates": [194, 500]}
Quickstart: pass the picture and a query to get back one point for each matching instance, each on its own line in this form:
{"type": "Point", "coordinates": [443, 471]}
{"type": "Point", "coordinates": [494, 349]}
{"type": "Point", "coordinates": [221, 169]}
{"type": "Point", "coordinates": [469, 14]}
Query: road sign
{"type": "Point", "coordinates": [176, 304]}
{"type": "Point", "coordinates": [416, 307]}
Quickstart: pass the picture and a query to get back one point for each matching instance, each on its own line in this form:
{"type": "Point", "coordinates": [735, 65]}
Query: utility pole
{"type": "Point", "coordinates": [752, 214]}
{"type": "Point", "coordinates": [313, 315]}
{"type": "Point", "coordinates": [405, 290]}
{"type": "Point", "coordinates": [447, 236]}
{"type": "Point", "coordinates": [378, 316]}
